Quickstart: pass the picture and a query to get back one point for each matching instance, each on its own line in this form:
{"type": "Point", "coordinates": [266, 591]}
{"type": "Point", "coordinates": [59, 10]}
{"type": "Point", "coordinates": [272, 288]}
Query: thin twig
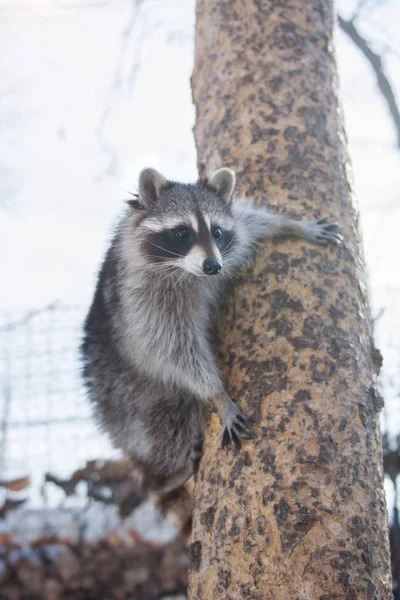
{"type": "Point", "coordinates": [376, 62]}
{"type": "Point", "coordinates": [360, 6]}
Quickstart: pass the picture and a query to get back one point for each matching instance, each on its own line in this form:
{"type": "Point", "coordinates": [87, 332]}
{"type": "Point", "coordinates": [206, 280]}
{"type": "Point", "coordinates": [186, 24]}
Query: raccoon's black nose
{"type": "Point", "coordinates": [212, 266]}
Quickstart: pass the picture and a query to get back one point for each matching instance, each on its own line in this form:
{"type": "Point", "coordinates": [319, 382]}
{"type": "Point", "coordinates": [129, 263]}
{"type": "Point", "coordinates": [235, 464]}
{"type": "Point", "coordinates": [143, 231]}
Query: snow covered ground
{"type": "Point", "coordinates": [91, 92]}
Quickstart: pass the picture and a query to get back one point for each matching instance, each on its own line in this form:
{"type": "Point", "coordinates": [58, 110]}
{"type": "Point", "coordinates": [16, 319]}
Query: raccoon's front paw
{"type": "Point", "coordinates": [236, 428]}
{"type": "Point", "coordinates": [322, 232]}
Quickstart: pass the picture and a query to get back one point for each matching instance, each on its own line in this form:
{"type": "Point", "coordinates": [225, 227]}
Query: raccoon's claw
{"type": "Point", "coordinates": [322, 232]}
{"type": "Point", "coordinates": [328, 232]}
{"type": "Point", "coordinates": [236, 431]}
{"type": "Point", "coordinates": [242, 430]}
{"type": "Point", "coordinates": [230, 438]}
{"type": "Point", "coordinates": [196, 454]}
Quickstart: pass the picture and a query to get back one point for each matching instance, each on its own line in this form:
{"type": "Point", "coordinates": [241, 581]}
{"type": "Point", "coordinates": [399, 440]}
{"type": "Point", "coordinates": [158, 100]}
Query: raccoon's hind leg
{"type": "Point", "coordinates": [173, 496]}
{"type": "Point", "coordinates": [168, 483]}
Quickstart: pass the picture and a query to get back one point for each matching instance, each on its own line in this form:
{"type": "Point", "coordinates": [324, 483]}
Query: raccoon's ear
{"type": "Point", "coordinates": [150, 184]}
{"type": "Point", "coordinates": [223, 181]}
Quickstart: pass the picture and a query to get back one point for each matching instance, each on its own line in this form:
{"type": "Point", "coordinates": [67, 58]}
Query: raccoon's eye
{"type": "Point", "coordinates": [217, 233]}
{"type": "Point", "coordinates": [182, 233]}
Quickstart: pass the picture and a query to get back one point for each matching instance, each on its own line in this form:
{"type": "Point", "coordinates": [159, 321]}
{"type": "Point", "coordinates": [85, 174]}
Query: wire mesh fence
{"type": "Point", "coordinates": [71, 525]}
{"type": "Point", "coordinates": [48, 434]}
{"type": "Point", "coordinates": [45, 418]}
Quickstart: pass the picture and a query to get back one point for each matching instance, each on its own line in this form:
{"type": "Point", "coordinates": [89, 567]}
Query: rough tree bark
{"type": "Point", "coordinates": [300, 512]}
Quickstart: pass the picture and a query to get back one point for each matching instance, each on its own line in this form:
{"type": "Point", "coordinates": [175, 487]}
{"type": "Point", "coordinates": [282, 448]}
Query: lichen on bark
{"type": "Point", "coordinates": [300, 512]}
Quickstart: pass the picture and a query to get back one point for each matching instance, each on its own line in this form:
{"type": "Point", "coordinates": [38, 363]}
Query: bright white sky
{"type": "Point", "coordinates": [91, 92]}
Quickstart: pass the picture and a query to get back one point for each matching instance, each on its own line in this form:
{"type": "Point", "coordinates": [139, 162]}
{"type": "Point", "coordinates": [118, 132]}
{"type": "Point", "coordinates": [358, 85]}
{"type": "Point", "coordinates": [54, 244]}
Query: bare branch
{"type": "Point", "coordinates": [358, 9]}
{"type": "Point", "coordinates": [113, 91]}
{"type": "Point", "coordinates": [376, 62]}
{"type": "Point", "coordinates": [379, 315]}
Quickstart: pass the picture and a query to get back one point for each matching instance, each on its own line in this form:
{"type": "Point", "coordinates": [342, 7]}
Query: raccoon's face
{"type": "Point", "coordinates": [187, 227]}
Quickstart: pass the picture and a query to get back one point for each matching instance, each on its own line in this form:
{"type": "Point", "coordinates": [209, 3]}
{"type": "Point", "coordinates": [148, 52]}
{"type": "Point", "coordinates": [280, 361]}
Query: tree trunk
{"type": "Point", "coordinates": [300, 512]}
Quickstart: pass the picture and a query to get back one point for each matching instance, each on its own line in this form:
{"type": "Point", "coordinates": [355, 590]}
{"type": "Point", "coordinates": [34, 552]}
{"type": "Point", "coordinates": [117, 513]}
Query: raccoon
{"type": "Point", "coordinates": [147, 359]}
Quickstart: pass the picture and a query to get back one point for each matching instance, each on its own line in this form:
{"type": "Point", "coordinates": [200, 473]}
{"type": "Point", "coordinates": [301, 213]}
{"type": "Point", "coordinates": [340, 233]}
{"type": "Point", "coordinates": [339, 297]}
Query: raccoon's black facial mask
{"type": "Point", "coordinates": [224, 239]}
{"type": "Point", "coordinates": [169, 244]}
{"type": "Point", "coordinates": [190, 247]}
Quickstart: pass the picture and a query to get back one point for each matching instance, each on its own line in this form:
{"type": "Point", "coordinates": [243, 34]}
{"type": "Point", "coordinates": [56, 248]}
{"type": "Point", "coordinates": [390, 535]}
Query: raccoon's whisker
{"type": "Point", "coordinates": [197, 272]}
{"type": "Point", "coordinates": [159, 268]}
{"type": "Point", "coordinates": [162, 259]}
{"type": "Point", "coordinates": [163, 271]}
{"type": "Point", "coordinates": [162, 268]}
{"type": "Point", "coordinates": [169, 251]}
{"type": "Point", "coordinates": [229, 272]}
{"type": "Point", "coordinates": [169, 270]}
{"type": "Point", "coordinates": [167, 258]}
{"type": "Point", "coordinates": [226, 267]}
{"type": "Point", "coordinates": [228, 246]}
{"type": "Point", "coordinates": [179, 280]}
{"type": "Point", "coordinates": [225, 253]}
{"type": "Point", "coordinates": [169, 274]}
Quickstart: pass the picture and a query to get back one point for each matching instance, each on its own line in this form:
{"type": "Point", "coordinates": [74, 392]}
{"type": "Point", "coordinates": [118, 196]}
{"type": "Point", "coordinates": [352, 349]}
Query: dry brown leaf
{"type": "Point", "coordinates": [15, 485]}
{"type": "Point", "coordinates": [10, 504]}
{"type": "Point", "coordinates": [6, 539]}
